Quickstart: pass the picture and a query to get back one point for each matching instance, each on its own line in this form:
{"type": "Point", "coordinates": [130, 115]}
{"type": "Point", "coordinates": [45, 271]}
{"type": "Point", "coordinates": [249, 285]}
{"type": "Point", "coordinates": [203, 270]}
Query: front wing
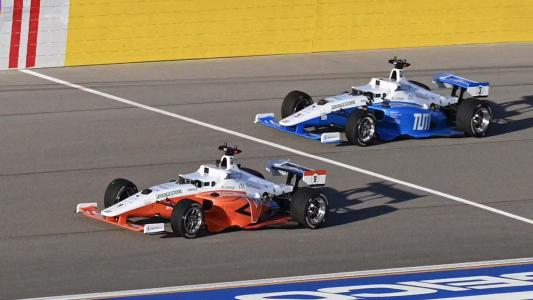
{"type": "Point", "coordinates": [269, 120]}
{"type": "Point", "coordinates": [90, 210]}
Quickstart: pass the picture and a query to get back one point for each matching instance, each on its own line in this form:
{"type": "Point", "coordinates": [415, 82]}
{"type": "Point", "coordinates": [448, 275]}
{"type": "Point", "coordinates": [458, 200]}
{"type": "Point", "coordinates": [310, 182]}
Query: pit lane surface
{"type": "Point", "coordinates": [61, 146]}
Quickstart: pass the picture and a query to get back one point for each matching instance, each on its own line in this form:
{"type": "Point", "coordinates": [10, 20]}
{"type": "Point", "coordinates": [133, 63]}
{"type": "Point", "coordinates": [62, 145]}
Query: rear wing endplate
{"type": "Point", "coordinates": [309, 176]}
{"type": "Point", "coordinates": [450, 80]}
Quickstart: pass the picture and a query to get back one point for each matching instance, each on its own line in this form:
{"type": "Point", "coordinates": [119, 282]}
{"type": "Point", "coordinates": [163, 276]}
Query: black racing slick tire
{"type": "Point", "coordinates": [474, 117]}
{"type": "Point", "coordinates": [309, 207]}
{"type": "Point", "coordinates": [420, 84]}
{"type": "Point", "coordinates": [293, 102]}
{"type": "Point", "coordinates": [118, 190]}
{"type": "Point", "coordinates": [253, 172]}
{"type": "Point", "coordinates": [361, 128]}
{"type": "Point", "coordinates": [187, 218]}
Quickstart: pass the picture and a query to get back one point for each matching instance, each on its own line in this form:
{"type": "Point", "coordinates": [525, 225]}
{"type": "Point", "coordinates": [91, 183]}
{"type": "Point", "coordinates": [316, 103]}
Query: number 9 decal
{"type": "Point", "coordinates": [315, 178]}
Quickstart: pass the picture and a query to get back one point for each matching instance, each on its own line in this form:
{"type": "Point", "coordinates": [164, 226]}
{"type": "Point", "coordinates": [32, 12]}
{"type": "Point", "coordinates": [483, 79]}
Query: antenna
{"type": "Point", "coordinates": [228, 150]}
{"type": "Point", "coordinates": [399, 63]}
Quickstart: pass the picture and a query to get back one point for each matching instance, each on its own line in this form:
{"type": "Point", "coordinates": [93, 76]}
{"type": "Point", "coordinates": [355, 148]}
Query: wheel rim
{"type": "Point", "coordinates": [316, 210]}
{"type": "Point", "coordinates": [124, 193]}
{"type": "Point", "coordinates": [480, 120]}
{"type": "Point", "coordinates": [193, 220]}
{"type": "Point", "coordinates": [366, 129]}
{"type": "Point", "coordinates": [301, 104]}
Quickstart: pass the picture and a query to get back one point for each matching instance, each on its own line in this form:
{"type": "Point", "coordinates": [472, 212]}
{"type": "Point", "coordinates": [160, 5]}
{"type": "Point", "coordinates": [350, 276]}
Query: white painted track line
{"type": "Point", "coordinates": [288, 149]}
{"type": "Point", "coordinates": [294, 279]}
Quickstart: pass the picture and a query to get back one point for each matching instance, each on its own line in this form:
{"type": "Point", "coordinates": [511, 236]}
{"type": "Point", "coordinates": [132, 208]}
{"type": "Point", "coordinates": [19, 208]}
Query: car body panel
{"type": "Point", "coordinates": [230, 196]}
{"type": "Point", "coordinates": [401, 107]}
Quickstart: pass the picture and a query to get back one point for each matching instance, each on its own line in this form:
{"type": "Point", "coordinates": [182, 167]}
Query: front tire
{"type": "Point", "coordinates": [118, 190]}
{"type": "Point", "coordinates": [361, 128]}
{"type": "Point", "coordinates": [187, 218]}
{"type": "Point", "coordinates": [309, 207]}
{"type": "Point", "coordinates": [293, 102]}
{"type": "Point", "coordinates": [474, 117]}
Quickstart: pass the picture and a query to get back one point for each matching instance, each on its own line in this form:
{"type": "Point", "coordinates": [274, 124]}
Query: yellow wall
{"type": "Point", "coordinates": [115, 31]}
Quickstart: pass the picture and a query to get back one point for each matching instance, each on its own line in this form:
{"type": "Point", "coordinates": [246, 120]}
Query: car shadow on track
{"type": "Point", "coordinates": [509, 116]}
{"type": "Point", "coordinates": [343, 204]}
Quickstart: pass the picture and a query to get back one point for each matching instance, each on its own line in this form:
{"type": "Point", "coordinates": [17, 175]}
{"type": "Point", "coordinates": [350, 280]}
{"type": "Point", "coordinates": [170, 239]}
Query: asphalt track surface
{"type": "Point", "coordinates": [61, 146]}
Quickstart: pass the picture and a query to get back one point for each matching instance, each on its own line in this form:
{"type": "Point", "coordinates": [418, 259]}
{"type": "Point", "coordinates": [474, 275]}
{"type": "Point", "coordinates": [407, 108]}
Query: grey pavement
{"type": "Point", "coordinates": [61, 146]}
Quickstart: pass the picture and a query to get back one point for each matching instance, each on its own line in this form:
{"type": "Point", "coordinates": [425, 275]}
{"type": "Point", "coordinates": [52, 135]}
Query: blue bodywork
{"type": "Point", "coordinates": [452, 79]}
{"type": "Point", "coordinates": [394, 119]}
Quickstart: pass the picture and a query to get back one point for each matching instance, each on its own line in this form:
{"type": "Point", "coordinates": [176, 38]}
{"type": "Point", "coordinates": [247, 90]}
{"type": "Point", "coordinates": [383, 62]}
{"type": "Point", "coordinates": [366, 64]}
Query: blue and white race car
{"type": "Point", "coordinates": [385, 109]}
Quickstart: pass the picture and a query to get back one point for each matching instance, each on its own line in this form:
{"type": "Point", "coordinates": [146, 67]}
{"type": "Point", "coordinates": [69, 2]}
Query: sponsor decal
{"type": "Point", "coordinates": [154, 227]}
{"type": "Point", "coordinates": [327, 137]}
{"type": "Point", "coordinates": [411, 289]}
{"type": "Point", "coordinates": [341, 105]}
{"type": "Point", "coordinates": [168, 194]}
{"type": "Point", "coordinates": [513, 282]}
{"type": "Point", "coordinates": [422, 121]}
{"type": "Point", "coordinates": [395, 114]}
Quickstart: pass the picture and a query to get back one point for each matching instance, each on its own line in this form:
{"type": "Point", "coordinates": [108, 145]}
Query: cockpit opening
{"type": "Point", "coordinates": [224, 163]}
{"type": "Point", "coordinates": [393, 75]}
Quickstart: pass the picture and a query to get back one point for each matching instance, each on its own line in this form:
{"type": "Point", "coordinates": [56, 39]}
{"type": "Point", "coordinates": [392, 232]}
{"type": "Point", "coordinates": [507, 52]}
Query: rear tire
{"type": "Point", "coordinates": [118, 190]}
{"type": "Point", "coordinates": [309, 207]}
{"type": "Point", "coordinates": [253, 172]}
{"type": "Point", "coordinates": [361, 128]}
{"type": "Point", "coordinates": [474, 117]}
{"type": "Point", "coordinates": [420, 84]}
{"type": "Point", "coordinates": [187, 218]}
{"type": "Point", "coordinates": [293, 102]}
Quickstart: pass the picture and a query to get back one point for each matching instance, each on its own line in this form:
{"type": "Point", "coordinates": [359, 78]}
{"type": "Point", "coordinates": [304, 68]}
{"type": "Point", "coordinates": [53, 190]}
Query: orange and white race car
{"type": "Point", "coordinates": [216, 197]}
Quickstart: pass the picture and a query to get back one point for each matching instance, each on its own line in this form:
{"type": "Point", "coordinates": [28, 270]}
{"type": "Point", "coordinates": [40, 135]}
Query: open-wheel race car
{"type": "Point", "coordinates": [217, 197]}
{"type": "Point", "coordinates": [385, 109]}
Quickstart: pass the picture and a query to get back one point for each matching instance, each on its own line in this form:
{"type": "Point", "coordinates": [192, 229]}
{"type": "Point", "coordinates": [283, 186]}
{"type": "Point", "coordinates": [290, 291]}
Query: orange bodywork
{"type": "Point", "coordinates": [222, 209]}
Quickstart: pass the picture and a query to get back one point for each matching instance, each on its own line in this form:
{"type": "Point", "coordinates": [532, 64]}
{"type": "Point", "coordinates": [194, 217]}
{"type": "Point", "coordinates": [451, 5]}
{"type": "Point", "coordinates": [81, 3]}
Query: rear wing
{"type": "Point", "coordinates": [450, 80]}
{"type": "Point", "coordinates": [284, 167]}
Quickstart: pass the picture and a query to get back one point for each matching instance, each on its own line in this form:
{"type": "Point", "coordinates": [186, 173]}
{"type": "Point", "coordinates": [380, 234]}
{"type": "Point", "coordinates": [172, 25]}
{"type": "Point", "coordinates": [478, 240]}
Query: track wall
{"type": "Point", "coordinates": [82, 32]}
